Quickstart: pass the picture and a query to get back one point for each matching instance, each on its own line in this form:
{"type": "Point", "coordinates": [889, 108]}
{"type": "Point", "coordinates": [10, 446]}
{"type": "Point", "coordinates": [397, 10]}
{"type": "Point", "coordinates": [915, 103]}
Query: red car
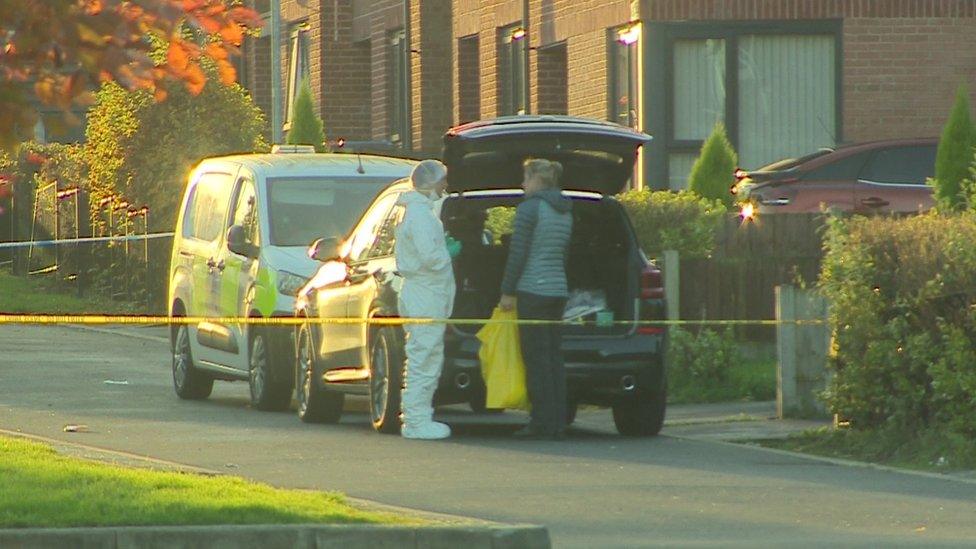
{"type": "Point", "coordinates": [876, 177]}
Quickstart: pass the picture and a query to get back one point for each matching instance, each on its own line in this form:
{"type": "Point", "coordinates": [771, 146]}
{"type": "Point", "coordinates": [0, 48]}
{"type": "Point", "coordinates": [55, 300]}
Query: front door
{"type": "Point", "coordinates": [350, 339]}
{"type": "Point", "coordinates": [202, 240]}
{"type": "Point", "coordinates": [895, 180]}
{"type": "Point", "coordinates": [237, 274]}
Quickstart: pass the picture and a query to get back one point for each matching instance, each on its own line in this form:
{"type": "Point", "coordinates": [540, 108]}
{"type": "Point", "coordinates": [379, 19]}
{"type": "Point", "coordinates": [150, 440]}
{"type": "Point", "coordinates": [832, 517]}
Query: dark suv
{"type": "Point", "coordinates": [617, 364]}
{"type": "Point", "coordinates": [876, 177]}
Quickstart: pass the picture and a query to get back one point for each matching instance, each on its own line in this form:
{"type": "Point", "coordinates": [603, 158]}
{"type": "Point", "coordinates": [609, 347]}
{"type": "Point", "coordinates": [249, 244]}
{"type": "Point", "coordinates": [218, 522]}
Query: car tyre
{"type": "Point", "coordinates": [269, 391]}
{"type": "Point", "coordinates": [386, 362]}
{"type": "Point", "coordinates": [315, 405]}
{"type": "Point", "coordinates": [189, 382]}
{"type": "Point", "coordinates": [643, 414]}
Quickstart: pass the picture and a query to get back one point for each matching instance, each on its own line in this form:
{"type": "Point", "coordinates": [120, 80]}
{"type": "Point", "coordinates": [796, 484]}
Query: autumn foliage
{"type": "Point", "coordinates": [61, 50]}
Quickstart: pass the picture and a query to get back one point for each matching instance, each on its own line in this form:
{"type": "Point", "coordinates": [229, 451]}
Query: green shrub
{"type": "Point", "coordinates": [901, 292]}
{"type": "Point", "coordinates": [500, 222]}
{"type": "Point", "coordinates": [681, 221]}
{"type": "Point", "coordinates": [710, 367]}
{"type": "Point", "coordinates": [713, 174]}
{"type": "Point", "coordinates": [306, 126]}
{"type": "Point", "coordinates": [954, 157]}
{"type": "Point", "coordinates": [144, 150]}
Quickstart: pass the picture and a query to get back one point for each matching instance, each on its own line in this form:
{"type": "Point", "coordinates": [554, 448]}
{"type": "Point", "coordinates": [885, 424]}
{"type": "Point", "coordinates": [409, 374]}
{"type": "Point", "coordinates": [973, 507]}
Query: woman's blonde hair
{"type": "Point", "coordinates": [548, 171]}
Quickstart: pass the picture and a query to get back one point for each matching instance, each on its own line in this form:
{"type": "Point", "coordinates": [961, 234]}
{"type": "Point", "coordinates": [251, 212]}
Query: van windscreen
{"type": "Point", "coordinates": [302, 209]}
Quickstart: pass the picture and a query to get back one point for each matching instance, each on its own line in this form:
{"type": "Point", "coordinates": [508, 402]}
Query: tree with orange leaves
{"type": "Point", "coordinates": [60, 50]}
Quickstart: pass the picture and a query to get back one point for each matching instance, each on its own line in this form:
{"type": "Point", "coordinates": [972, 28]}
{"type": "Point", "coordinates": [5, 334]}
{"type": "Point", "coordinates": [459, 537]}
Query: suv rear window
{"type": "Point", "coordinates": [302, 209]}
{"type": "Point", "coordinates": [901, 165]}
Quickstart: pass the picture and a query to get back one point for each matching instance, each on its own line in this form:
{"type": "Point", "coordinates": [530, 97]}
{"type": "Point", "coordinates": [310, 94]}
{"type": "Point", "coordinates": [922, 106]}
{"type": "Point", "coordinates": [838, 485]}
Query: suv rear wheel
{"type": "Point", "coordinates": [642, 415]}
{"type": "Point", "coordinates": [269, 391]}
{"type": "Point", "coordinates": [385, 381]}
{"type": "Point", "coordinates": [189, 382]}
{"type": "Point", "coordinates": [315, 405]}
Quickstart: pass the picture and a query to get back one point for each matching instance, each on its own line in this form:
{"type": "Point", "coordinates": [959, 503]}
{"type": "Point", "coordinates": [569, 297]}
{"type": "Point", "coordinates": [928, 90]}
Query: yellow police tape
{"type": "Point", "coordinates": [377, 321]}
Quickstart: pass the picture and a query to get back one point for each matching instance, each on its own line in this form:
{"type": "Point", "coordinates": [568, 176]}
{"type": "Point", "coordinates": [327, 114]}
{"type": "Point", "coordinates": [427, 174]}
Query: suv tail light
{"type": "Point", "coordinates": [652, 286]}
{"type": "Point", "coordinates": [652, 299]}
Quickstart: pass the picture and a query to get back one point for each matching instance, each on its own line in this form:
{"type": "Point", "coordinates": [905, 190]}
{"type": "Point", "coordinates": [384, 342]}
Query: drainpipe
{"type": "Point", "coordinates": [276, 107]}
{"type": "Point", "coordinates": [408, 78]}
{"type": "Point", "coordinates": [526, 85]}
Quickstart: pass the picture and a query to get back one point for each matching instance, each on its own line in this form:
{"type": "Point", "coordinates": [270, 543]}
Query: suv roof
{"type": "Point", "coordinates": [522, 123]}
{"type": "Point", "coordinates": [298, 164]}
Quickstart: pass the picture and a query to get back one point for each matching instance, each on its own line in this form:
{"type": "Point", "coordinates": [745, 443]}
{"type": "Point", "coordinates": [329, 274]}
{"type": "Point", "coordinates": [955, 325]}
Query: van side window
{"type": "Point", "coordinates": [207, 207]}
{"type": "Point", "coordinates": [246, 212]}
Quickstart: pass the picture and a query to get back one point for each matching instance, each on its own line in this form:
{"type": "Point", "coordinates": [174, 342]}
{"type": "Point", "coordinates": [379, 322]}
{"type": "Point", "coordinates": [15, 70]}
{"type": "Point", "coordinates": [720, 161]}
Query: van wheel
{"type": "Point", "coordinates": [189, 382]}
{"type": "Point", "coordinates": [315, 405]}
{"type": "Point", "coordinates": [385, 381]}
{"type": "Point", "coordinates": [269, 392]}
{"type": "Point", "coordinates": [642, 415]}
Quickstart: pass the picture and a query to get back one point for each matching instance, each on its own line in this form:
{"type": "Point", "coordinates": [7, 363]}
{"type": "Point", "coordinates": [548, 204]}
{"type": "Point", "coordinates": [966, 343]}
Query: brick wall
{"type": "Point", "coordinates": [375, 20]}
{"type": "Point", "coordinates": [900, 75]}
{"type": "Point", "coordinates": [902, 59]}
{"type": "Point", "coordinates": [550, 91]}
{"type": "Point", "coordinates": [258, 57]}
{"type": "Point", "coordinates": [468, 98]}
{"type": "Point", "coordinates": [432, 89]}
{"type": "Point", "coordinates": [662, 10]}
{"type": "Point", "coordinates": [345, 77]}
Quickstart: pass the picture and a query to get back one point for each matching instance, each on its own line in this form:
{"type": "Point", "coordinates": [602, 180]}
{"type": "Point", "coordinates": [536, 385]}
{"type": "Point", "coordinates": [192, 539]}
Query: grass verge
{"type": "Point", "coordinates": [753, 380]}
{"type": "Point", "coordinates": [40, 488]}
{"type": "Point", "coordinates": [23, 295]}
{"type": "Point", "coordinates": [934, 451]}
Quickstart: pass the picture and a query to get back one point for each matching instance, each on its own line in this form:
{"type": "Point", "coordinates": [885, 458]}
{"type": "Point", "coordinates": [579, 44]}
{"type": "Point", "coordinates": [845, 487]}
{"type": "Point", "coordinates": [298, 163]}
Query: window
{"type": "Point", "coordinates": [844, 169]}
{"type": "Point", "coordinates": [298, 71]}
{"type": "Point", "coordinates": [207, 206]}
{"type": "Point", "coordinates": [786, 96]}
{"type": "Point", "coordinates": [302, 209]}
{"type": "Point", "coordinates": [246, 212]}
{"type": "Point", "coordinates": [398, 86]}
{"type": "Point", "coordinates": [623, 92]}
{"type": "Point", "coordinates": [699, 88]}
{"type": "Point", "coordinates": [511, 70]}
{"type": "Point", "coordinates": [901, 166]}
{"type": "Point", "coordinates": [386, 239]}
{"type": "Point", "coordinates": [369, 230]}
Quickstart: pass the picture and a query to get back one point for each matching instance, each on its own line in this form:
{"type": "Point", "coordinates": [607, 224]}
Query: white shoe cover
{"type": "Point", "coordinates": [426, 431]}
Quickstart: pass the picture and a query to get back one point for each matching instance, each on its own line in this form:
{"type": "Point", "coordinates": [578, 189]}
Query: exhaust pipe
{"type": "Point", "coordinates": [462, 381]}
{"type": "Point", "coordinates": [628, 383]}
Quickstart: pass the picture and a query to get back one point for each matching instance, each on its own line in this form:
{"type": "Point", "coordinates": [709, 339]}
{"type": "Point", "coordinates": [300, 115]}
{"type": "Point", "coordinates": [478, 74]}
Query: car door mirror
{"type": "Point", "coordinates": [237, 242]}
{"type": "Point", "coordinates": [325, 249]}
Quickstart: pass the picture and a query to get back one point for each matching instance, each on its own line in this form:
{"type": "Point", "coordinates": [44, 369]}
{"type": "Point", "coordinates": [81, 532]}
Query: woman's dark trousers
{"type": "Point", "coordinates": [545, 372]}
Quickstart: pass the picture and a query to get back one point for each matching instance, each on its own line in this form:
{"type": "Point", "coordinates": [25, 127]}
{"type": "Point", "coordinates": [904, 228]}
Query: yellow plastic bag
{"type": "Point", "coordinates": [501, 363]}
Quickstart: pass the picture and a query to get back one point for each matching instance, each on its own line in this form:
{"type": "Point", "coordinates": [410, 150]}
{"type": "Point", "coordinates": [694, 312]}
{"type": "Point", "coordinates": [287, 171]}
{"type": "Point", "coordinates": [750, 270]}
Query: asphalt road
{"type": "Point", "coordinates": [594, 490]}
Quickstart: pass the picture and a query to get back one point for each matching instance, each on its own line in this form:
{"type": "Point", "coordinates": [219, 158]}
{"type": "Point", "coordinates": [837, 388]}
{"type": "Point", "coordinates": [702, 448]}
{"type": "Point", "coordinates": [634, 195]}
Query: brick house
{"type": "Point", "coordinates": [785, 76]}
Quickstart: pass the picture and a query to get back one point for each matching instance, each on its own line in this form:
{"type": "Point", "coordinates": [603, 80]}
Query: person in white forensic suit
{"type": "Point", "coordinates": [423, 260]}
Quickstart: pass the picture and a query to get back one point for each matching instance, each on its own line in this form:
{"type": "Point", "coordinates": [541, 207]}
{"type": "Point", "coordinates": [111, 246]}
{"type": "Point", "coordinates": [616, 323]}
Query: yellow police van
{"type": "Point", "coordinates": [239, 250]}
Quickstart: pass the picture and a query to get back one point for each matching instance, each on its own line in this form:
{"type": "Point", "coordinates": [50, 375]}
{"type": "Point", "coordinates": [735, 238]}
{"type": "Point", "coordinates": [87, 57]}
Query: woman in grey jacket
{"type": "Point", "coordinates": [535, 283]}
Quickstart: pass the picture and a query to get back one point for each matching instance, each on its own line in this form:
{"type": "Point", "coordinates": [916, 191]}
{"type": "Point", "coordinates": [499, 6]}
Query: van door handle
{"type": "Point", "coordinates": [874, 202]}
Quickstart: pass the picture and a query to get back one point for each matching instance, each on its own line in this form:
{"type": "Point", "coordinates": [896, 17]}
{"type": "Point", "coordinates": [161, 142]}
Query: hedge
{"type": "Point", "coordinates": [902, 295]}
